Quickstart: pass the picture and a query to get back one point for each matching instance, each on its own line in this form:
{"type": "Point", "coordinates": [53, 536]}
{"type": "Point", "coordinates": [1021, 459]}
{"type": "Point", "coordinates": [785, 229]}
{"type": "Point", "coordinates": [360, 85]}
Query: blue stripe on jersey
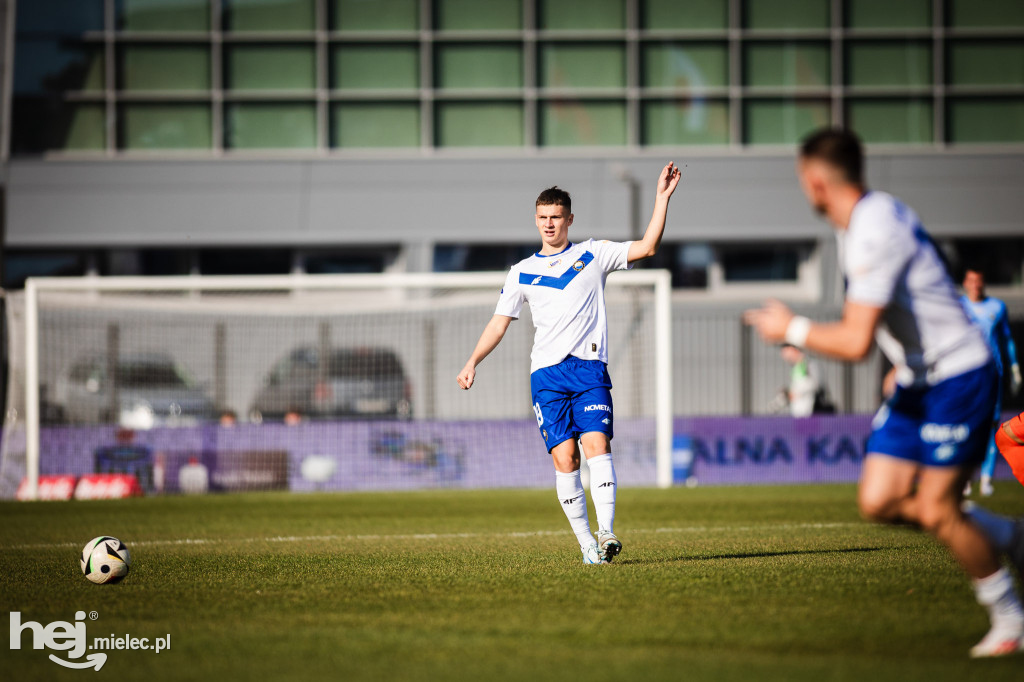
{"type": "Point", "coordinates": [558, 282]}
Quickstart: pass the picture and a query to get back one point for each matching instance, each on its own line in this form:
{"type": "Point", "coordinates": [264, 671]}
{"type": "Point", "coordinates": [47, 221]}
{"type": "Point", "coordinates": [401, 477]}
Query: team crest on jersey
{"type": "Point", "coordinates": [578, 265]}
{"type": "Point", "coordinates": [554, 263]}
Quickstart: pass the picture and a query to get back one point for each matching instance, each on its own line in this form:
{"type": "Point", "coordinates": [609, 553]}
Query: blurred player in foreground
{"type": "Point", "coordinates": [990, 316]}
{"type": "Point", "coordinates": [564, 285]}
{"type": "Point", "coordinates": [933, 431]}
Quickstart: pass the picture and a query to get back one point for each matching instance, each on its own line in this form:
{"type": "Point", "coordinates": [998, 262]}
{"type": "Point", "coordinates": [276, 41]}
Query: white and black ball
{"type": "Point", "coordinates": [105, 560]}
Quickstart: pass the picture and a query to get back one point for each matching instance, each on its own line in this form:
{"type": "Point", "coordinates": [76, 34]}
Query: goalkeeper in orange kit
{"type": "Point", "coordinates": [1010, 441]}
{"type": "Point", "coordinates": [1006, 534]}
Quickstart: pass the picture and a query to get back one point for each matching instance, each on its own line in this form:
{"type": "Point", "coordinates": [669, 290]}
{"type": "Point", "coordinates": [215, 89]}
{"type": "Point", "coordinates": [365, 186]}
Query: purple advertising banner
{"type": "Point", "coordinates": [398, 455]}
{"type": "Point", "coordinates": [730, 450]}
{"type": "Point", "coordinates": [737, 450]}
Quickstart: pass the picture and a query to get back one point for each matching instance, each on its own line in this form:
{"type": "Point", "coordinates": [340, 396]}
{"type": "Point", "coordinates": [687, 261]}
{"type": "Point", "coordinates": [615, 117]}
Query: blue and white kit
{"type": "Point", "coordinates": [990, 316]}
{"type": "Point", "coordinates": [568, 373]}
{"type": "Point", "coordinates": [941, 411]}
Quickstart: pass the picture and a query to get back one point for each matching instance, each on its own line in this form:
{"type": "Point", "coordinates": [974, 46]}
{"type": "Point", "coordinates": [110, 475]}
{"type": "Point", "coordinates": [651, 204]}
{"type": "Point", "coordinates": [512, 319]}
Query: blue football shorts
{"type": "Point", "coordinates": [944, 425]}
{"type": "Point", "coordinates": [572, 398]}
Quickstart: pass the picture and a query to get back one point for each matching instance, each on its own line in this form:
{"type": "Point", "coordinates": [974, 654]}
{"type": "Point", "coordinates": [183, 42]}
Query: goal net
{"type": "Point", "coordinates": [299, 382]}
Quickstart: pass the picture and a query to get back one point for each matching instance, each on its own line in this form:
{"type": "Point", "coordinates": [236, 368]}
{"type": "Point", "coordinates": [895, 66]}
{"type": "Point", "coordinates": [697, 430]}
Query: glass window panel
{"type": "Point", "coordinates": [373, 67]}
{"type": "Point", "coordinates": [767, 263]}
{"type": "Point", "coordinates": [581, 15]}
{"type": "Point", "coordinates": [999, 258]}
{"type": "Point", "coordinates": [787, 64]}
{"type": "Point", "coordinates": [263, 67]}
{"type": "Point", "coordinates": [473, 15]}
{"type": "Point", "coordinates": [687, 262]}
{"type": "Point", "coordinates": [278, 125]}
{"type": "Point", "coordinates": [984, 120]}
{"type": "Point", "coordinates": [783, 121]}
{"type": "Point", "coordinates": [20, 265]}
{"type": "Point", "coordinates": [161, 15]}
{"type": "Point", "coordinates": [270, 15]}
{"type": "Point", "coordinates": [986, 62]}
{"type": "Point", "coordinates": [86, 128]}
{"type": "Point", "coordinates": [59, 16]}
{"type": "Point", "coordinates": [683, 122]}
{"type": "Point", "coordinates": [479, 65]}
{"type": "Point", "coordinates": [31, 125]}
{"type": "Point", "coordinates": [165, 126]}
{"type": "Point", "coordinates": [889, 14]}
{"type": "Point", "coordinates": [692, 15]}
{"type": "Point", "coordinates": [894, 121]}
{"type": "Point", "coordinates": [479, 124]}
{"type": "Point", "coordinates": [593, 65]}
{"type": "Point", "coordinates": [685, 65]}
{"type": "Point", "coordinates": [349, 260]}
{"type": "Point", "coordinates": [479, 257]}
{"type": "Point", "coordinates": [889, 62]}
{"type": "Point", "coordinates": [786, 14]}
{"type": "Point", "coordinates": [39, 124]}
{"type": "Point", "coordinates": [375, 15]}
{"type": "Point", "coordinates": [165, 67]}
{"type": "Point", "coordinates": [985, 13]}
{"type": "Point", "coordinates": [48, 66]}
{"type": "Point", "coordinates": [243, 261]}
{"type": "Point", "coordinates": [376, 124]}
{"type": "Point", "coordinates": [575, 123]}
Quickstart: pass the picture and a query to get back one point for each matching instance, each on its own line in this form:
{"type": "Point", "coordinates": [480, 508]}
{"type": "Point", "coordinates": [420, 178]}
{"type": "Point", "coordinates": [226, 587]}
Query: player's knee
{"type": "Point", "coordinates": [566, 457]}
{"type": "Point", "coordinates": [935, 517]}
{"type": "Point", "coordinates": [595, 443]}
{"type": "Point", "coordinates": [877, 507]}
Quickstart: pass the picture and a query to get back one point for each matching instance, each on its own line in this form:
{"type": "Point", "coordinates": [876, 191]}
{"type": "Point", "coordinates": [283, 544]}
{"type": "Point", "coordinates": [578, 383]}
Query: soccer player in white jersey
{"type": "Point", "coordinates": [930, 434]}
{"type": "Point", "coordinates": [564, 285]}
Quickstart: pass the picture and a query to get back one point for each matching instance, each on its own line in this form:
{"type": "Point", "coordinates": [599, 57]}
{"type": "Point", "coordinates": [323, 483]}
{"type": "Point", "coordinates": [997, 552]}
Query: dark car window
{"type": "Point", "coordinates": [146, 374]}
{"type": "Point", "coordinates": [364, 365]}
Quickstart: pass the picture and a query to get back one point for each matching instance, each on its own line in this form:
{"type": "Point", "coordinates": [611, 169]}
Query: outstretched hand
{"type": "Point", "coordinates": [770, 320]}
{"type": "Point", "coordinates": [668, 179]}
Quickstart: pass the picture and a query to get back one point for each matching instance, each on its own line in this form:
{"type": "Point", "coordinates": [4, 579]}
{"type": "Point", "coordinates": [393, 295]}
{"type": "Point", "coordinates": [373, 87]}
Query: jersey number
{"type": "Point", "coordinates": [540, 417]}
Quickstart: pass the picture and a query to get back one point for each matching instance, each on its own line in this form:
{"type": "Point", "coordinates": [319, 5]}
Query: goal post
{"type": "Point", "coordinates": [86, 372]}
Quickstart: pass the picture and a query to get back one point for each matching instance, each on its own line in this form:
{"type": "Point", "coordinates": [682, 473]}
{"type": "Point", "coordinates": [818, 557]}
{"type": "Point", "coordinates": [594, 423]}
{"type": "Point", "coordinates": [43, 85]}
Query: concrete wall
{"type": "Point", "coordinates": [742, 196]}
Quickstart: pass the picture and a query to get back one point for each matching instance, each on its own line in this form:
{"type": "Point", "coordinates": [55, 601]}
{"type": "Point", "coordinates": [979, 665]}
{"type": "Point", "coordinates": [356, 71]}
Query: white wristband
{"type": "Point", "coordinates": [797, 330]}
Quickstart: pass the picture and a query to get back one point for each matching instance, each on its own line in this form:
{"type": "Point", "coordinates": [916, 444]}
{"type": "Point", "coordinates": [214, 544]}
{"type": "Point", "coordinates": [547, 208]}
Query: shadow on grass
{"type": "Point", "coordinates": [759, 555]}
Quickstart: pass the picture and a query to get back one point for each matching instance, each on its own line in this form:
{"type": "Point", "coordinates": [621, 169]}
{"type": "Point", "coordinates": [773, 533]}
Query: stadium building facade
{"type": "Point", "coordinates": [156, 137]}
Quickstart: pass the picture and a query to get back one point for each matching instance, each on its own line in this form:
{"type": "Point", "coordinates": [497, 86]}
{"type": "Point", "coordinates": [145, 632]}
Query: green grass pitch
{"type": "Point", "coordinates": [740, 583]}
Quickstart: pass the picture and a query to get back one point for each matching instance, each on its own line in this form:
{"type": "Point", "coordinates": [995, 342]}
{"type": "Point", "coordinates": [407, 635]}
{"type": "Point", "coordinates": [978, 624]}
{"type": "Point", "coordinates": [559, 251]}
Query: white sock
{"type": "Point", "coordinates": [574, 504]}
{"type": "Point", "coordinates": [602, 490]}
{"type": "Point", "coordinates": [996, 593]}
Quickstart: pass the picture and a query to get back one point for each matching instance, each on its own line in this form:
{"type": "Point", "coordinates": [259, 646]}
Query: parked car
{"type": "Point", "coordinates": [152, 390]}
{"type": "Point", "coordinates": [347, 383]}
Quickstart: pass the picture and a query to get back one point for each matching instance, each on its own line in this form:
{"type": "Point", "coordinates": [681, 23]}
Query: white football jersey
{"type": "Point", "coordinates": [566, 296]}
{"type": "Point", "coordinates": [891, 262]}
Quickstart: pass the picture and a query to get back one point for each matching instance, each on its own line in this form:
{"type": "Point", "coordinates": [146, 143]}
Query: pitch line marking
{"type": "Point", "coordinates": [440, 536]}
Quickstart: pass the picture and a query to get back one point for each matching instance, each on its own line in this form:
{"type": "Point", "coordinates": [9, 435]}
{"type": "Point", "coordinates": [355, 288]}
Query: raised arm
{"type": "Point", "coordinates": [648, 246]}
{"type": "Point", "coordinates": [489, 340]}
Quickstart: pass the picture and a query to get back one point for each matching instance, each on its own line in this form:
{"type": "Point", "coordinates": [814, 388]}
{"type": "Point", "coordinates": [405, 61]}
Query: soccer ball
{"type": "Point", "coordinates": [105, 560]}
